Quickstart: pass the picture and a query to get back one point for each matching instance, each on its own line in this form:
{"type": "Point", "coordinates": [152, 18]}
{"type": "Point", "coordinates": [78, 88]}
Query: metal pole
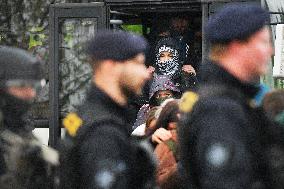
{"type": "Point", "coordinates": [205, 13]}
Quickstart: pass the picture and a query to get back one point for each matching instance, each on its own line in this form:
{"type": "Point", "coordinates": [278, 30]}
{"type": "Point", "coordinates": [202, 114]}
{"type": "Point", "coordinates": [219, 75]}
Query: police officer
{"type": "Point", "coordinates": [21, 75]}
{"type": "Point", "coordinates": [21, 162]}
{"type": "Point", "coordinates": [225, 140]}
{"type": "Point", "coordinates": [106, 157]}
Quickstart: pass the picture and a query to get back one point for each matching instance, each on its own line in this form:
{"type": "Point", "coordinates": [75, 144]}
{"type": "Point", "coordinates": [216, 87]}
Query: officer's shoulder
{"type": "Point", "coordinates": [85, 107]}
{"type": "Point", "coordinates": [222, 102]}
{"type": "Point", "coordinates": [199, 102]}
{"type": "Point", "coordinates": [89, 111]}
{"type": "Point", "coordinates": [219, 94]}
{"type": "Point", "coordinates": [81, 122]}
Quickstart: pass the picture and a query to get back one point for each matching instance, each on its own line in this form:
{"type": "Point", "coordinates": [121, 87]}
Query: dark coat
{"type": "Point", "coordinates": [107, 157]}
{"type": "Point", "coordinates": [12, 111]}
{"type": "Point", "coordinates": [22, 163]}
{"type": "Point", "coordinates": [158, 83]}
{"type": "Point", "coordinates": [225, 141]}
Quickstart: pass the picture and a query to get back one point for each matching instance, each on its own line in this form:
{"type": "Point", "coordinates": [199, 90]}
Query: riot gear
{"type": "Point", "coordinates": [14, 110]}
{"type": "Point", "coordinates": [23, 162]}
{"type": "Point", "coordinates": [18, 68]}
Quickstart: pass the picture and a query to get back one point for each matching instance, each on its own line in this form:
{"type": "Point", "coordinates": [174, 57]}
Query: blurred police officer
{"type": "Point", "coordinates": [105, 155]}
{"type": "Point", "coordinates": [22, 163]}
{"type": "Point", "coordinates": [226, 142]}
{"type": "Point", "coordinates": [21, 74]}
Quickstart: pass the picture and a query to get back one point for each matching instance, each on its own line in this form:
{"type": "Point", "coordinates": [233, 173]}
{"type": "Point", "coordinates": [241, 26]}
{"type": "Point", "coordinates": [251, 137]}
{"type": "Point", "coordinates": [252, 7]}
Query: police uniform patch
{"type": "Point", "coordinates": [108, 172]}
{"type": "Point", "coordinates": [72, 122]}
{"type": "Point", "coordinates": [187, 101]}
{"type": "Point", "coordinates": [217, 155]}
{"type": "Point", "coordinates": [104, 179]}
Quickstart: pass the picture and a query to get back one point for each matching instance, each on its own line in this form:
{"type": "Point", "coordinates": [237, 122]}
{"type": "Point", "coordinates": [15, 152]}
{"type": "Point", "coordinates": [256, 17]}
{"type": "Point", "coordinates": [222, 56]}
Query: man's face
{"type": "Point", "coordinates": [133, 75]}
{"type": "Point", "coordinates": [259, 51]}
{"type": "Point", "coordinates": [179, 25]}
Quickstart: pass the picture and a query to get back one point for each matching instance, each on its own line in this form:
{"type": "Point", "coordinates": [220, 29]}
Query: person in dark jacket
{"type": "Point", "coordinates": [167, 151]}
{"type": "Point", "coordinates": [105, 156]}
{"type": "Point", "coordinates": [162, 88]}
{"type": "Point", "coordinates": [23, 163]}
{"type": "Point", "coordinates": [226, 142]}
{"type": "Point", "coordinates": [169, 61]}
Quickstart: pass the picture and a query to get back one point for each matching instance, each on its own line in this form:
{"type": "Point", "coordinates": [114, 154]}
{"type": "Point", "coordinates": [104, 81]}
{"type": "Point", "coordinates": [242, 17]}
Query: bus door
{"type": "Point", "coordinates": [71, 25]}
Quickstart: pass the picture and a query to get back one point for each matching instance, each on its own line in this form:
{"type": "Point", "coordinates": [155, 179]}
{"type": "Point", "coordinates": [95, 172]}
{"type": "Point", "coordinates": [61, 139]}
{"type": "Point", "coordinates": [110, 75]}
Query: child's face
{"type": "Point", "coordinates": [165, 56]}
{"type": "Point", "coordinates": [164, 94]}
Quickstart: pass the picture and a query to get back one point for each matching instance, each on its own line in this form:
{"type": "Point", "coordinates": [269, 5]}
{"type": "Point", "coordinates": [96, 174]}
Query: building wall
{"type": "Point", "coordinates": [274, 6]}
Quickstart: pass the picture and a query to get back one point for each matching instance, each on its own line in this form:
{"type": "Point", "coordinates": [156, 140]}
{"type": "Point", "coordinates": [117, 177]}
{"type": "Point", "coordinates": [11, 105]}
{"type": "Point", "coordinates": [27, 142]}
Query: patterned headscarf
{"type": "Point", "coordinates": [160, 83]}
{"type": "Point", "coordinates": [171, 67]}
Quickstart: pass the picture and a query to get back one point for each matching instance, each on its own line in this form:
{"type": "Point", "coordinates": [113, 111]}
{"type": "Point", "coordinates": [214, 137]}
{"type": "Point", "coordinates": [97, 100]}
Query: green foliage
{"type": "Point", "coordinates": [279, 83]}
{"type": "Point", "coordinates": [133, 28]}
{"type": "Point", "coordinates": [37, 37]}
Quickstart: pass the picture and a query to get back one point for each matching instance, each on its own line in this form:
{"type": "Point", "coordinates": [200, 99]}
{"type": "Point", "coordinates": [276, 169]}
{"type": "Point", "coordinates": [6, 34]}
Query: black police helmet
{"type": "Point", "coordinates": [18, 67]}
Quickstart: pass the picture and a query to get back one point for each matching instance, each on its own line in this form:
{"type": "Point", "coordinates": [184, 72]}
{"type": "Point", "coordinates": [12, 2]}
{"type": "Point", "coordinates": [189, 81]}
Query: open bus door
{"type": "Point", "coordinates": [71, 25]}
